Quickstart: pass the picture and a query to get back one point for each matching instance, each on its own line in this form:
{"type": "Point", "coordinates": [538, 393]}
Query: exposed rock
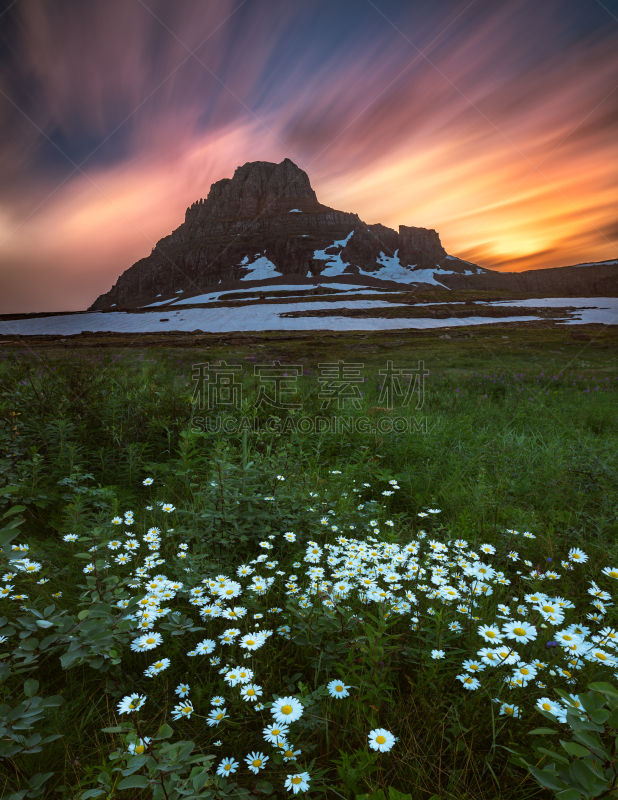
{"type": "Point", "coordinates": [421, 247]}
{"type": "Point", "coordinates": [265, 210]}
{"type": "Point", "coordinates": [269, 211]}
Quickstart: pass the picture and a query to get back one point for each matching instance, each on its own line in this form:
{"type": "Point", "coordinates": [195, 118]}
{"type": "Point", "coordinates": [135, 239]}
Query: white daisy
{"type": "Point", "coordinates": [286, 709]}
{"type": "Point", "coordinates": [298, 783]}
{"type": "Point", "coordinates": [184, 709]}
{"type": "Point", "coordinates": [382, 740]}
{"type": "Point", "coordinates": [520, 631]}
{"type": "Point", "coordinates": [216, 716]}
{"type": "Point", "coordinates": [227, 767]}
{"type": "Point", "coordinates": [338, 689]}
{"type": "Point", "coordinates": [256, 761]}
{"type": "Point", "coordinates": [131, 703]}
{"type": "Point", "coordinates": [250, 692]}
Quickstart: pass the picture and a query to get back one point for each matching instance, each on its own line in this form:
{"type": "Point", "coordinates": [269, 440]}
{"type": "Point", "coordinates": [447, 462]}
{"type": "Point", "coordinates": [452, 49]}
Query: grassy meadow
{"type": "Point", "coordinates": [187, 612]}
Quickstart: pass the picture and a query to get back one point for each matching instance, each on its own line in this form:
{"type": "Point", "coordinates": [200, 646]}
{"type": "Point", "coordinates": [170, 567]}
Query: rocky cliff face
{"type": "Point", "coordinates": [268, 213]}
{"type": "Point", "coordinates": [267, 210]}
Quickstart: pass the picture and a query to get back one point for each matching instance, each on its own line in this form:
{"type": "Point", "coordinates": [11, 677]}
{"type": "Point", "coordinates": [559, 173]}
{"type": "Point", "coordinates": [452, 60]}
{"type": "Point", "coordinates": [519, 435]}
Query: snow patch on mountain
{"type": "Point", "coordinates": [597, 264]}
{"type": "Point", "coordinates": [335, 265]}
{"type": "Point", "coordinates": [260, 270]}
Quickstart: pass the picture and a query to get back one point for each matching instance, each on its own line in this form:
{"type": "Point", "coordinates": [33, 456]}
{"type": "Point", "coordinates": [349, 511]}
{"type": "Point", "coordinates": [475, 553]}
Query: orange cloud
{"type": "Point", "coordinates": [501, 136]}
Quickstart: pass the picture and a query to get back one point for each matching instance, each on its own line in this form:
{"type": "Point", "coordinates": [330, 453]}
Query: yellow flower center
{"type": "Point", "coordinates": [219, 716]}
{"type": "Point", "coordinates": [251, 642]}
{"type": "Point", "coordinates": [140, 749]}
{"type": "Point", "coordinates": [297, 779]}
{"type": "Point", "coordinates": [250, 692]}
{"type": "Point", "coordinates": [339, 688]}
{"type": "Point", "coordinates": [257, 762]}
{"type": "Point", "coordinates": [601, 656]}
{"type": "Point", "coordinates": [227, 767]}
{"type": "Point", "coordinates": [286, 710]}
{"type": "Point", "coordinates": [490, 635]}
{"type": "Point", "coordinates": [519, 631]}
{"type": "Point", "coordinates": [613, 574]}
{"type": "Point", "coordinates": [289, 754]}
{"type": "Point", "coordinates": [546, 706]}
{"type": "Point", "coordinates": [275, 732]}
{"type": "Point", "coordinates": [525, 671]}
{"type": "Point", "coordinates": [380, 739]}
{"type": "Point", "coordinates": [508, 710]}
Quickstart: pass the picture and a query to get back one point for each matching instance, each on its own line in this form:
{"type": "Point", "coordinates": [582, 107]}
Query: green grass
{"type": "Point", "coordinates": [519, 435]}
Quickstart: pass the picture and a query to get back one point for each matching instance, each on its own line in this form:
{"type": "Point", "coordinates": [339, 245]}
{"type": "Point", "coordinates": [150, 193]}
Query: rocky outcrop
{"type": "Point", "coordinates": [421, 247]}
{"type": "Point", "coordinates": [266, 210]}
{"type": "Point", "coordinates": [269, 211]}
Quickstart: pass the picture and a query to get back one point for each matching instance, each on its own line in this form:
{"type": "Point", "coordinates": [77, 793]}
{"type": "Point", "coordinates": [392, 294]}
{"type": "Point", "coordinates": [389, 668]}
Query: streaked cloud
{"type": "Point", "coordinates": [501, 135]}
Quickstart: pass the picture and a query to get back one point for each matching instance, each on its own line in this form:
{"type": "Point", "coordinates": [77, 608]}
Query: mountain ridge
{"type": "Point", "coordinates": [266, 222]}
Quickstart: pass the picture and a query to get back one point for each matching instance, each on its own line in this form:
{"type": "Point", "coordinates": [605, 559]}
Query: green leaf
{"type": "Point", "coordinates": [83, 614]}
{"type": "Point", "coordinates": [133, 782]}
{"type": "Point", "coordinates": [604, 688]}
{"type": "Point", "coordinates": [579, 773]}
{"type": "Point", "coordinates": [39, 779]}
{"type": "Point", "coordinates": [552, 754]}
{"type": "Point", "coordinates": [600, 716]}
{"type": "Point", "coordinates": [569, 794]}
{"type": "Point", "coordinates": [265, 787]}
{"type": "Point", "coordinates": [546, 778]}
{"type": "Point", "coordinates": [30, 687]}
{"type": "Point", "coordinates": [588, 703]}
{"type": "Point", "coordinates": [17, 795]}
{"type": "Point", "coordinates": [164, 732]}
{"type": "Point", "coordinates": [53, 701]}
{"type": "Point", "coordinates": [592, 742]}
{"type": "Point", "coordinates": [52, 737]}
{"type": "Point", "coordinates": [200, 780]}
{"type": "Point", "coordinates": [575, 749]}
{"type": "Point", "coordinates": [135, 763]}
{"type": "Point", "coordinates": [542, 731]}
{"type": "Point", "coordinates": [14, 510]}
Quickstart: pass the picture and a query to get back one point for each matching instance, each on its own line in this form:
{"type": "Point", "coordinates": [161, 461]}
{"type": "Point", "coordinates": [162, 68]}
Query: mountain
{"type": "Point", "coordinates": [587, 280]}
{"type": "Point", "coordinates": [265, 224]}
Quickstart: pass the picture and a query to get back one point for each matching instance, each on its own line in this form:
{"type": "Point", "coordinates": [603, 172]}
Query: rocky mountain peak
{"type": "Point", "coordinates": [265, 222]}
{"type": "Point", "coordinates": [258, 188]}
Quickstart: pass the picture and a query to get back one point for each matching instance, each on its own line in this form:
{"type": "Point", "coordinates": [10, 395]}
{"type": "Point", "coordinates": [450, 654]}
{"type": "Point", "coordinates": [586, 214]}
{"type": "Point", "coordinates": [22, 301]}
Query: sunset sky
{"type": "Point", "coordinates": [496, 123]}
